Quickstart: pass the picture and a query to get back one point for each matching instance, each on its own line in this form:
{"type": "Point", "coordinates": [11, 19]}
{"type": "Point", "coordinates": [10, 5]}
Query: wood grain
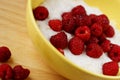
{"type": "Point", "coordinates": [13, 34]}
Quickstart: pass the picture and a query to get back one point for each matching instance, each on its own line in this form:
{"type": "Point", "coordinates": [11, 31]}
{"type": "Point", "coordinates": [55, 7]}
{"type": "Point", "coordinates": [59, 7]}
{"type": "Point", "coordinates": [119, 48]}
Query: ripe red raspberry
{"type": "Point", "coordinates": [6, 72]}
{"type": "Point", "coordinates": [103, 20]}
{"type": "Point", "coordinates": [114, 53]}
{"type": "Point", "coordinates": [94, 50]}
{"type": "Point", "coordinates": [96, 30]}
{"type": "Point", "coordinates": [105, 27]}
{"type": "Point", "coordinates": [40, 13]}
{"type": "Point", "coordinates": [55, 24]}
{"type": "Point", "coordinates": [92, 39]}
{"type": "Point", "coordinates": [93, 18]}
{"type": "Point", "coordinates": [59, 40]}
{"type": "Point", "coordinates": [68, 22]}
{"type": "Point", "coordinates": [67, 15]}
{"type": "Point", "coordinates": [109, 32]}
{"type": "Point", "coordinates": [4, 54]}
{"type": "Point", "coordinates": [110, 68]}
{"type": "Point", "coordinates": [106, 45]}
{"type": "Point", "coordinates": [81, 20]}
{"type": "Point", "coordinates": [20, 73]}
{"type": "Point", "coordinates": [76, 45]}
{"type": "Point", "coordinates": [102, 38]}
{"type": "Point", "coordinates": [83, 32]}
{"type": "Point", "coordinates": [79, 10]}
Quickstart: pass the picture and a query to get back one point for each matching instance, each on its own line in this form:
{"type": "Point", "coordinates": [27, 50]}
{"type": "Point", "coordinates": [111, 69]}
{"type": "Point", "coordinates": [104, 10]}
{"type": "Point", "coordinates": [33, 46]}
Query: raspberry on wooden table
{"type": "Point", "coordinates": [76, 45]}
{"type": "Point", "coordinates": [110, 68]}
{"type": "Point", "coordinates": [20, 73]}
{"type": "Point", "coordinates": [6, 72]}
{"type": "Point", "coordinates": [4, 54]}
{"type": "Point", "coordinates": [40, 13]}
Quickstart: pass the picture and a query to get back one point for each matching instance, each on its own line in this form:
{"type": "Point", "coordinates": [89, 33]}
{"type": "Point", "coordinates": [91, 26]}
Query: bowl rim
{"type": "Point", "coordinates": [30, 8]}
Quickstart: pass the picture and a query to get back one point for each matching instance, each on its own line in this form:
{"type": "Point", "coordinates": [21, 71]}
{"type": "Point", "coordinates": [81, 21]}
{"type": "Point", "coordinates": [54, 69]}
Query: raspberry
{"type": "Point", "coordinates": [4, 54]}
{"type": "Point", "coordinates": [93, 18]}
{"type": "Point", "coordinates": [59, 40]}
{"type": "Point", "coordinates": [6, 72]}
{"type": "Point", "coordinates": [82, 20]}
{"type": "Point", "coordinates": [102, 38]}
{"type": "Point", "coordinates": [110, 68]}
{"type": "Point", "coordinates": [76, 45]}
{"type": "Point", "coordinates": [96, 30]}
{"type": "Point", "coordinates": [87, 21]}
{"type": "Point", "coordinates": [67, 15]}
{"type": "Point", "coordinates": [68, 22]}
{"type": "Point", "coordinates": [94, 50]}
{"type": "Point", "coordinates": [114, 53]}
{"type": "Point", "coordinates": [83, 32]}
{"type": "Point", "coordinates": [55, 24]}
{"type": "Point", "coordinates": [105, 27]}
{"type": "Point", "coordinates": [110, 32]}
{"type": "Point", "coordinates": [20, 73]}
{"type": "Point", "coordinates": [78, 10]}
{"type": "Point", "coordinates": [92, 39]}
{"type": "Point", "coordinates": [106, 45]}
{"type": "Point", "coordinates": [40, 13]}
{"type": "Point", "coordinates": [103, 20]}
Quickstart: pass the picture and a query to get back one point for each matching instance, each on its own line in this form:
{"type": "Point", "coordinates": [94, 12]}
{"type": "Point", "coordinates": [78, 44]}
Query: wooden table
{"type": "Point", "coordinates": [13, 34]}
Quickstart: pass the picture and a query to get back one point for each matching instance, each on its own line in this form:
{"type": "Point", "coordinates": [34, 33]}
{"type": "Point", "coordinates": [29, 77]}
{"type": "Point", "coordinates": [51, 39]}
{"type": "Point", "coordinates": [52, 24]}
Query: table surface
{"type": "Point", "coordinates": [13, 34]}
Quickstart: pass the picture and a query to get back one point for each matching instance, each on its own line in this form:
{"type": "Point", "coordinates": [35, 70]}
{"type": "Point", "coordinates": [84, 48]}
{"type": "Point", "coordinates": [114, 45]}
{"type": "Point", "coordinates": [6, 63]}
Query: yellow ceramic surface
{"type": "Point", "coordinates": [56, 60]}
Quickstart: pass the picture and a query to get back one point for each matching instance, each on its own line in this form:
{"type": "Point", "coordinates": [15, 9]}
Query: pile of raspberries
{"type": "Point", "coordinates": [90, 34]}
{"type": "Point", "coordinates": [6, 71]}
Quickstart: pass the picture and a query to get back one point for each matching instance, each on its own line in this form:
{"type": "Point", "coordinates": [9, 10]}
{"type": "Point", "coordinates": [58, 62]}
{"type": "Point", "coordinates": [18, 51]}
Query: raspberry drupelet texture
{"type": "Point", "coordinates": [76, 45]}
{"type": "Point", "coordinates": [79, 10]}
{"type": "Point", "coordinates": [6, 72]}
{"type": "Point", "coordinates": [83, 32]}
{"type": "Point", "coordinates": [109, 32]}
{"type": "Point", "coordinates": [103, 20]}
{"type": "Point", "coordinates": [59, 40]}
{"type": "Point", "coordinates": [94, 50]}
{"type": "Point", "coordinates": [106, 45]}
{"type": "Point", "coordinates": [114, 53]}
{"type": "Point", "coordinates": [68, 22]}
{"type": "Point", "coordinates": [4, 54]}
{"type": "Point", "coordinates": [96, 30]}
{"type": "Point", "coordinates": [20, 73]}
{"type": "Point", "coordinates": [92, 39]}
{"type": "Point", "coordinates": [40, 13]}
{"type": "Point", "coordinates": [110, 68]}
{"type": "Point", "coordinates": [55, 24]}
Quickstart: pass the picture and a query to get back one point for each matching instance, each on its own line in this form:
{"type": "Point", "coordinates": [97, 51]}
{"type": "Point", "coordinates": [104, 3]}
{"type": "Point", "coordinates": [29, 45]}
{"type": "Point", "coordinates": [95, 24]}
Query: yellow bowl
{"type": "Point", "coordinates": [56, 60]}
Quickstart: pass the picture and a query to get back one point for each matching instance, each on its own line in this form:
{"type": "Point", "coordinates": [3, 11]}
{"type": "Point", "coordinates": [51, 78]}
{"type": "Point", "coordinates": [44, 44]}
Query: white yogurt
{"type": "Point", "coordinates": [56, 8]}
